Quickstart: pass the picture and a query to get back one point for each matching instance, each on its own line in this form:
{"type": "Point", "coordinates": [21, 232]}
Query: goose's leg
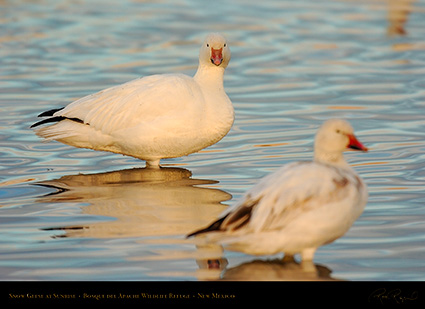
{"type": "Point", "coordinates": [153, 163]}
{"type": "Point", "coordinates": [307, 256]}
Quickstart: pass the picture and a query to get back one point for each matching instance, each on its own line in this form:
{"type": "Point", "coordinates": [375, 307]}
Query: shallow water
{"type": "Point", "coordinates": [293, 65]}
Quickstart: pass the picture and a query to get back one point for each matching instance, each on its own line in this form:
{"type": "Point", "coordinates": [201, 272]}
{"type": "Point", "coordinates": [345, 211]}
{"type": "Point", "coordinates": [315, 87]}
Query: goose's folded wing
{"type": "Point", "coordinates": [139, 101]}
{"type": "Point", "coordinates": [287, 193]}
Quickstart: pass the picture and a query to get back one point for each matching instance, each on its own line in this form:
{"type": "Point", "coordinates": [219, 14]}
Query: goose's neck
{"type": "Point", "coordinates": [209, 76]}
{"type": "Point", "coordinates": [218, 109]}
{"type": "Point", "coordinates": [332, 158]}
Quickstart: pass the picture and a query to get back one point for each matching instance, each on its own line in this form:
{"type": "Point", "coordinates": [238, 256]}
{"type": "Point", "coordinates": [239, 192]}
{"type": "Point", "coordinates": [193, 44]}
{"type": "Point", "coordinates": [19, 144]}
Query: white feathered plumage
{"type": "Point", "coordinates": [154, 117]}
{"type": "Point", "coordinates": [299, 207]}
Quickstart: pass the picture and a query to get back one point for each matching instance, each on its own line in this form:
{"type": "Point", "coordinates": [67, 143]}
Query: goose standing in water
{"type": "Point", "coordinates": [301, 206]}
{"type": "Point", "coordinates": [153, 117]}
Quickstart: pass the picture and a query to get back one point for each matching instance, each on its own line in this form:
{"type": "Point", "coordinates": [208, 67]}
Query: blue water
{"type": "Point", "coordinates": [294, 64]}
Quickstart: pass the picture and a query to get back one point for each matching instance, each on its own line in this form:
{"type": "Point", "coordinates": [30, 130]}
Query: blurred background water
{"type": "Point", "coordinates": [76, 214]}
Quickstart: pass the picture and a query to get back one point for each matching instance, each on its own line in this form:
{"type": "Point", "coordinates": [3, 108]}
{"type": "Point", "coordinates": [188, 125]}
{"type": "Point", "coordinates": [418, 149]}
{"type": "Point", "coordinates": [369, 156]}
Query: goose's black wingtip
{"type": "Point", "coordinates": [215, 226]}
{"type": "Point", "coordinates": [50, 113]}
{"type": "Point", "coordinates": [192, 234]}
{"type": "Point", "coordinates": [48, 120]}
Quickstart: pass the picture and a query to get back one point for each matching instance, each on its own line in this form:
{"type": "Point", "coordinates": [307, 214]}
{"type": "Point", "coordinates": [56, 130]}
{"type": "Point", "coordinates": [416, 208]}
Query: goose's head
{"type": "Point", "coordinates": [333, 137]}
{"type": "Point", "coordinates": [215, 51]}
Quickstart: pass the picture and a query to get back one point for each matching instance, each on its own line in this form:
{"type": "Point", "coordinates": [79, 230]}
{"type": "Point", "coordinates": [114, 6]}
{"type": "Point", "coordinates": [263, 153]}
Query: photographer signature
{"type": "Point", "coordinates": [383, 295]}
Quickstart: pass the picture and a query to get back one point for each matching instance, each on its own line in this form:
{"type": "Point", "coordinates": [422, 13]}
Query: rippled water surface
{"type": "Point", "coordinates": [76, 214]}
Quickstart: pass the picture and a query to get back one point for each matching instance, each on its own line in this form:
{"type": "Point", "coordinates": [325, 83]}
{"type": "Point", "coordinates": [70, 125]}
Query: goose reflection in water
{"type": "Point", "coordinates": [398, 15]}
{"type": "Point", "coordinates": [261, 270]}
{"type": "Point", "coordinates": [217, 268]}
{"type": "Point", "coordinates": [276, 270]}
{"type": "Point", "coordinates": [144, 202]}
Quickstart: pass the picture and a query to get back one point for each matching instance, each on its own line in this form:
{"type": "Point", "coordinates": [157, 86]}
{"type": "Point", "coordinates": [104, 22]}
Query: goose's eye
{"type": "Point", "coordinates": [338, 131]}
{"type": "Point", "coordinates": [208, 45]}
{"type": "Point", "coordinates": [225, 44]}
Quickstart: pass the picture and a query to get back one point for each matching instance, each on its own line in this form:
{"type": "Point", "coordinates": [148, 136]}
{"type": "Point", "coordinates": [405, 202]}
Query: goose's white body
{"type": "Point", "coordinates": [154, 117]}
{"type": "Point", "coordinates": [301, 206]}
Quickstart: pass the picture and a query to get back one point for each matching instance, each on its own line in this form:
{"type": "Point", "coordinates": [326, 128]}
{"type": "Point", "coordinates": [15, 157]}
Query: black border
{"type": "Point", "coordinates": [16, 293]}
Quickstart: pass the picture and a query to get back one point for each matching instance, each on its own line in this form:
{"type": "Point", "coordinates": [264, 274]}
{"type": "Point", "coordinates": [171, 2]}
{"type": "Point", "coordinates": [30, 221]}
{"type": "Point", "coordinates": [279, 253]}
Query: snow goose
{"type": "Point", "coordinates": [301, 206]}
{"type": "Point", "coordinates": [154, 117]}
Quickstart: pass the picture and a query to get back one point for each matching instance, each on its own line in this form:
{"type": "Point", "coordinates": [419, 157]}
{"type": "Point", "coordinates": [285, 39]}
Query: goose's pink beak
{"type": "Point", "coordinates": [355, 144]}
{"type": "Point", "coordinates": [216, 56]}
